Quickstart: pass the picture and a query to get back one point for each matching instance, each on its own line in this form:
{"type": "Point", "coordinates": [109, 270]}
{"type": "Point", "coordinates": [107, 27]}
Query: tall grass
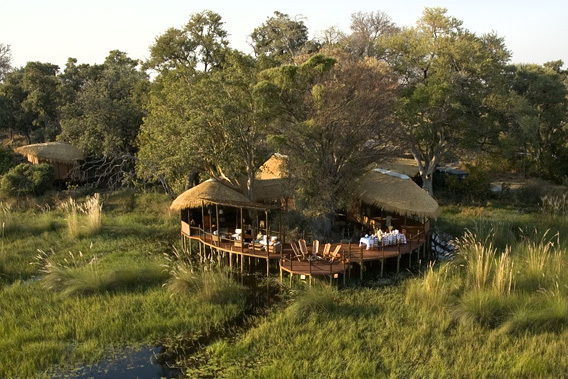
{"type": "Point", "coordinates": [501, 288]}
{"type": "Point", "coordinates": [83, 219]}
{"type": "Point", "coordinates": [77, 274]}
{"type": "Point", "coordinates": [554, 204]}
{"type": "Point", "coordinates": [211, 283]}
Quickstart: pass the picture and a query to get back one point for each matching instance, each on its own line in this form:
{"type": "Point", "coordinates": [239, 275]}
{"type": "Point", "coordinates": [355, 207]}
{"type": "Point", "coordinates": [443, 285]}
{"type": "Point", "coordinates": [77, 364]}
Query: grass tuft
{"type": "Point", "coordinates": [83, 219]}
{"type": "Point", "coordinates": [320, 299]}
{"type": "Point", "coordinates": [210, 282]}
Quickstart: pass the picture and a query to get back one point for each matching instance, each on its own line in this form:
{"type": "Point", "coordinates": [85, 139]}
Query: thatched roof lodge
{"type": "Point", "coordinates": [390, 191]}
{"type": "Point", "coordinates": [63, 156]}
{"type": "Point", "coordinates": [272, 182]}
{"type": "Point", "coordinates": [396, 193]}
{"type": "Point", "coordinates": [212, 192]}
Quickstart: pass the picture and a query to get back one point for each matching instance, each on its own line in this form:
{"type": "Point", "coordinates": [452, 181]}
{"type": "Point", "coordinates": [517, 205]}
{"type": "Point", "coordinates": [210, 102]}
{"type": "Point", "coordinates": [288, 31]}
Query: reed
{"type": "Point", "coordinates": [554, 204]}
{"type": "Point", "coordinates": [78, 274]}
{"type": "Point", "coordinates": [210, 282]}
{"type": "Point", "coordinates": [83, 218]}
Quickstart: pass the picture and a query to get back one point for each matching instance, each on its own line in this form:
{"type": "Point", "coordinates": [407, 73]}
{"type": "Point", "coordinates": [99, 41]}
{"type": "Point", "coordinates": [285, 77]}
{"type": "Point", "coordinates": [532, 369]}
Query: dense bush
{"type": "Point", "coordinates": [26, 179]}
{"type": "Point", "coordinates": [7, 160]}
{"type": "Point", "coordinates": [475, 187]}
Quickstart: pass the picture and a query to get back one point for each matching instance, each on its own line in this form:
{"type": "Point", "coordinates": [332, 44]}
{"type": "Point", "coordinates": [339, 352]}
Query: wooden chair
{"type": "Point", "coordinates": [303, 247]}
{"type": "Point", "coordinates": [315, 247]}
{"type": "Point", "coordinates": [326, 250]}
{"type": "Point", "coordinates": [335, 254]}
{"type": "Point", "coordinates": [296, 250]}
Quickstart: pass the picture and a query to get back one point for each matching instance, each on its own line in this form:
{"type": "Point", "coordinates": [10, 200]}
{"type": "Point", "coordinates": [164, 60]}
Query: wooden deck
{"type": "Point", "coordinates": [316, 266]}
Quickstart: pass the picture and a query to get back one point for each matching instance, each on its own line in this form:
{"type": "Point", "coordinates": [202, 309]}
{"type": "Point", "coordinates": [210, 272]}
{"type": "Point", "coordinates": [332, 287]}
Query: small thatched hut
{"type": "Point", "coordinates": [63, 156]}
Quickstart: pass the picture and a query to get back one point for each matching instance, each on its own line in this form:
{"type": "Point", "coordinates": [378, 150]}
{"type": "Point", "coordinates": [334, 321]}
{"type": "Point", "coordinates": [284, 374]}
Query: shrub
{"type": "Point", "coordinates": [26, 179]}
{"type": "Point", "coordinates": [7, 160]}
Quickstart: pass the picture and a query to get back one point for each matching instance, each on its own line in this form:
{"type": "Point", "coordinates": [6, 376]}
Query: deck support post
{"type": "Point", "coordinates": [267, 267]}
{"type": "Point", "coordinates": [361, 265]}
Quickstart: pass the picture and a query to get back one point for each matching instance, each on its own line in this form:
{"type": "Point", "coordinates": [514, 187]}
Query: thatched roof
{"type": "Point", "coordinates": [407, 166]}
{"type": "Point", "coordinates": [272, 189]}
{"type": "Point", "coordinates": [213, 191]}
{"type": "Point", "coordinates": [52, 151]}
{"type": "Point", "coordinates": [396, 193]}
{"type": "Point", "coordinates": [274, 168]}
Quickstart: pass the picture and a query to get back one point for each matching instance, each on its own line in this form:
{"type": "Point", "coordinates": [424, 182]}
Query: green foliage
{"type": "Point", "coordinates": [105, 114]}
{"type": "Point", "coordinates": [475, 187]}
{"type": "Point", "coordinates": [223, 129]}
{"type": "Point", "coordinates": [324, 129]}
{"type": "Point", "coordinates": [449, 73]}
{"type": "Point", "coordinates": [26, 179]}
{"type": "Point", "coordinates": [280, 38]}
{"type": "Point", "coordinates": [7, 160]}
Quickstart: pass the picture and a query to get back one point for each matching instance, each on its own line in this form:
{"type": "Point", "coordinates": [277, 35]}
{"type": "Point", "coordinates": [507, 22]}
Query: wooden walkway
{"type": "Point", "coordinates": [315, 266]}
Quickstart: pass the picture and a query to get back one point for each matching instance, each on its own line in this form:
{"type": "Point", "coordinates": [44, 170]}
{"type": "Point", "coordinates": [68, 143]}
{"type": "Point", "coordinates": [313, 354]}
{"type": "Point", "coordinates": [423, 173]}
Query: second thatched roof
{"type": "Point", "coordinates": [213, 191]}
{"type": "Point", "coordinates": [396, 193]}
{"type": "Point", "coordinates": [52, 151]}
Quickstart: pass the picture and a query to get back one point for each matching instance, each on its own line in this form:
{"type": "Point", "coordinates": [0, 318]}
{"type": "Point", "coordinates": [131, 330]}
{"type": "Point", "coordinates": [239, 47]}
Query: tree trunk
{"type": "Point", "coordinates": [427, 184]}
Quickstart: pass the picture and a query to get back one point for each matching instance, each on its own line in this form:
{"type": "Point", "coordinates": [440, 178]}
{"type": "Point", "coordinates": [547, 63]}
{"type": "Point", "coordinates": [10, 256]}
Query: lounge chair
{"type": "Point", "coordinates": [326, 250]}
{"type": "Point", "coordinates": [335, 254]}
{"type": "Point", "coordinates": [296, 250]}
{"type": "Point", "coordinates": [315, 247]}
{"type": "Point", "coordinates": [303, 247]}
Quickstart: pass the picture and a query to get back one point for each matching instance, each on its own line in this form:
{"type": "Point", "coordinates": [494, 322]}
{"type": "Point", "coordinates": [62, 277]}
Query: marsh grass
{"type": "Point", "coordinates": [554, 204]}
{"type": "Point", "coordinates": [505, 288]}
{"type": "Point", "coordinates": [320, 299]}
{"type": "Point", "coordinates": [109, 298]}
{"type": "Point", "coordinates": [77, 274]}
{"type": "Point", "coordinates": [83, 218]}
{"type": "Point", "coordinates": [212, 283]}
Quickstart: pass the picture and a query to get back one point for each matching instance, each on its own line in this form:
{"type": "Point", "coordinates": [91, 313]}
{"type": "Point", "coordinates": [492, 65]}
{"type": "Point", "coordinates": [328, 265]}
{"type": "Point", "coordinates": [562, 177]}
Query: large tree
{"type": "Point", "coordinates": [211, 126]}
{"type": "Point", "coordinates": [367, 32]}
{"type": "Point", "coordinates": [202, 118]}
{"type": "Point", "coordinates": [280, 39]}
{"type": "Point", "coordinates": [31, 101]}
{"type": "Point", "coordinates": [107, 110]}
{"type": "Point", "coordinates": [536, 136]}
{"type": "Point", "coordinates": [333, 117]}
{"type": "Point", "coordinates": [448, 74]}
{"type": "Point", "coordinates": [199, 46]}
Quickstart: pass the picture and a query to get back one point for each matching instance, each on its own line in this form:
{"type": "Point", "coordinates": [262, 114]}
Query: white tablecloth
{"type": "Point", "coordinates": [369, 241]}
{"type": "Point", "coordinates": [386, 240]}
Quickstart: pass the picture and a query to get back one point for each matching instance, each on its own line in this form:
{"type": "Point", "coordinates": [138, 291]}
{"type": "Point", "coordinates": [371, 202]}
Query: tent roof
{"type": "Point", "coordinates": [213, 191]}
{"type": "Point", "coordinates": [396, 193]}
{"type": "Point", "coordinates": [54, 151]}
